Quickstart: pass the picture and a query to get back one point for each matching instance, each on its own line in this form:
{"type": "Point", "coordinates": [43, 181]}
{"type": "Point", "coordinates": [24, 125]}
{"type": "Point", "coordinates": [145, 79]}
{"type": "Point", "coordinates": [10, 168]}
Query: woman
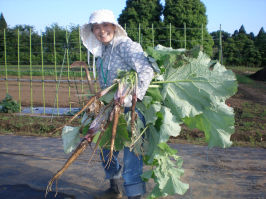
{"type": "Point", "coordinates": [114, 51]}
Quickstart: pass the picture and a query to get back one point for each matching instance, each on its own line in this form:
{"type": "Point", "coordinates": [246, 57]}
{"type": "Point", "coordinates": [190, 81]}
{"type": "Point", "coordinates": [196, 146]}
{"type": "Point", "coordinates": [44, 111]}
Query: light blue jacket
{"type": "Point", "coordinates": [124, 54]}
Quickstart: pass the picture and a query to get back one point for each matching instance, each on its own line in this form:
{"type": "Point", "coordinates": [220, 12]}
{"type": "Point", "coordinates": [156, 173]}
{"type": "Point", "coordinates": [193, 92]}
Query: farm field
{"type": "Point", "coordinates": [237, 172]}
{"type": "Point", "coordinates": [249, 105]}
{"type": "Point", "coordinates": [49, 91]}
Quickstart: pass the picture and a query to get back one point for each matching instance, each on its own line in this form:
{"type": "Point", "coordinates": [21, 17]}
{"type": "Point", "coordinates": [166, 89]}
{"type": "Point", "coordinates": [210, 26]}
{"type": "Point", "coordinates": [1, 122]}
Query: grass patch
{"type": "Point", "coordinates": [48, 70]}
{"type": "Point", "coordinates": [243, 79]}
{"type": "Point", "coordinates": [250, 125]}
{"type": "Point", "coordinates": [16, 124]}
{"type": "Point", "coordinates": [244, 69]}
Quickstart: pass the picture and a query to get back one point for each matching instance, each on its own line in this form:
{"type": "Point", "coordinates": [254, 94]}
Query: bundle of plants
{"type": "Point", "coordinates": [188, 88]}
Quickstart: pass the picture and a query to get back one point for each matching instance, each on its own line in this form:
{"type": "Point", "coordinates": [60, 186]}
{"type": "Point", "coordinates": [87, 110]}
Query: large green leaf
{"type": "Point", "coordinates": [170, 126]}
{"type": "Point", "coordinates": [167, 173]}
{"type": "Point", "coordinates": [155, 94]}
{"type": "Point", "coordinates": [197, 92]}
{"type": "Point", "coordinates": [166, 125]}
{"type": "Point", "coordinates": [121, 135]}
{"type": "Point", "coordinates": [217, 122]}
{"type": "Point", "coordinates": [150, 114]}
{"type": "Point", "coordinates": [151, 141]}
{"type": "Point", "coordinates": [195, 86]}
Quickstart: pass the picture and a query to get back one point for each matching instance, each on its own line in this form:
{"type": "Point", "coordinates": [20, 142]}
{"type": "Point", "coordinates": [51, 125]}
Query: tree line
{"type": "Point", "coordinates": [177, 23]}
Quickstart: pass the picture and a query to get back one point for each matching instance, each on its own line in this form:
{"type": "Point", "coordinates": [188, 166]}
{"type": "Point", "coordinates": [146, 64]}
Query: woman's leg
{"type": "Point", "coordinates": [112, 173]}
{"type": "Point", "coordinates": [112, 170]}
{"type": "Point", "coordinates": [132, 171]}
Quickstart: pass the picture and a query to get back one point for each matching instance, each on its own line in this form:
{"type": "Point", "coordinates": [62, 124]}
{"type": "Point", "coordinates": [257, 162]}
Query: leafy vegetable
{"type": "Point", "coordinates": [8, 105]}
{"type": "Point", "coordinates": [121, 137]}
{"type": "Point", "coordinates": [193, 90]}
{"type": "Point", "coordinates": [196, 92]}
{"type": "Point", "coordinates": [189, 88]}
{"type": "Point", "coordinates": [70, 138]}
{"type": "Point", "coordinates": [166, 173]}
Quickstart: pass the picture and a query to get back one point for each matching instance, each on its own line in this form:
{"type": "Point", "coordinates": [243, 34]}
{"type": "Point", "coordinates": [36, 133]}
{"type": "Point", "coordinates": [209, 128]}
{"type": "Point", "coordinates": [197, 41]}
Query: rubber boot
{"type": "Point", "coordinates": [112, 193]}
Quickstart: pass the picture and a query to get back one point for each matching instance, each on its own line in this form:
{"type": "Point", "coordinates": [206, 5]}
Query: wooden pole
{"type": "Point", "coordinates": [68, 73]}
{"type": "Point", "coordinates": [185, 35]}
{"type": "Point", "coordinates": [55, 66]}
{"type": "Point", "coordinates": [31, 94]}
{"type": "Point", "coordinates": [5, 61]}
{"type": "Point", "coordinates": [139, 32]}
{"type": "Point", "coordinates": [170, 34]}
{"type": "Point", "coordinates": [81, 71]}
{"type": "Point", "coordinates": [43, 86]}
{"type": "Point", "coordinates": [220, 46]}
{"type": "Point", "coordinates": [202, 36]}
{"type": "Point", "coordinates": [152, 32]}
{"type": "Point", "coordinates": [55, 71]}
{"type": "Point", "coordinates": [19, 93]}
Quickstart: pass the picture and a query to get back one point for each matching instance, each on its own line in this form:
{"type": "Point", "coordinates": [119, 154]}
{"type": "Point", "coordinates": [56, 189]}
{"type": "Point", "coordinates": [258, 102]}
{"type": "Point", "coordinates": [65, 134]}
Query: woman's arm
{"type": "Point", "coordinates": [134, 57]}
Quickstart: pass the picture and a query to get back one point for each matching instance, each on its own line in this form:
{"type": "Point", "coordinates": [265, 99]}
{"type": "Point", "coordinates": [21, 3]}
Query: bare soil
{"type": "Point", "coordinates": [44, 94]}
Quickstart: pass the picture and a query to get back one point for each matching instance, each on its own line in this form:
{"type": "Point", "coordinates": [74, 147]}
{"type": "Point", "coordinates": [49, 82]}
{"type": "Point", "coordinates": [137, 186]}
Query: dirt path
{"type": "Point", "coordinates": [235, 172]}
{"type": "Point", "coordinates": [252, 93]}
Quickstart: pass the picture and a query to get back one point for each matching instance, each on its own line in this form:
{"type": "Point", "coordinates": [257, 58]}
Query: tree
{"type": "Point", "coordinates": [216, 38]}
{"type": "Point", "coordinates": [24, 42]}
{"type": "Point", "coordinates": [235, 33]}
{"type": "Point", "coordinates": [251, 55]}
{"type": "Point", "coordinates": [145, 13]}
{"type": "Point", "coordinates": [242, 30]}
{"type": "Point", "coordinates": [260, 43]}
{"type": "Point", "coordinates": [251, 36]}
{"type": "Point", "coordinates": [64, 39]}
{"type": "Point", "coordinates": [248, 54]}
{"type": "Point", "coordinates": [60, 43]}
{"type": "Point", "coordinates": [11, 46]}
{"type": "Point", "coordinates": [193, 14]}
{"type": "Point", "coordinates": [231, 53]}
{"type": "Point", "coordinates": [3, 24]}
{"type": "Point", "coordinates": [241, 50]}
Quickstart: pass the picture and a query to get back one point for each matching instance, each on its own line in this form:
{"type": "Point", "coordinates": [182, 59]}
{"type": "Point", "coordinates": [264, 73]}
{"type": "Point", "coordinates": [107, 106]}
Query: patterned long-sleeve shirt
{"type": "Point", "coordinates": [125, 55]}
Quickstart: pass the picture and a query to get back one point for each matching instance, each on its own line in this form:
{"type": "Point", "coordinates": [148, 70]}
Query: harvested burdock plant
{"type": "Point", "coordinates": [189, 88]}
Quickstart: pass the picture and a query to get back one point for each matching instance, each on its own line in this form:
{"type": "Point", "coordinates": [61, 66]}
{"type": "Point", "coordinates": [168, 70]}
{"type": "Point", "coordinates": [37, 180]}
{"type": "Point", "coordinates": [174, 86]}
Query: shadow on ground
{"type": "Point", "coordinates": [23, 191]}
{"type": "Point", "coordinates": [28, 163]}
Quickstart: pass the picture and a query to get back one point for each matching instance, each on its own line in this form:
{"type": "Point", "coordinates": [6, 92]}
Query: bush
{"type": "Point", "coordinates": [8, 105]}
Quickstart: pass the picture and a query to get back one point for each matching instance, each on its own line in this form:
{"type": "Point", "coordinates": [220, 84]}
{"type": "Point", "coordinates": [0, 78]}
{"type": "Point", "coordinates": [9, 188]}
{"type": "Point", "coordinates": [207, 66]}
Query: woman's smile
{"type": "Point", "coordinates": [104, 32]}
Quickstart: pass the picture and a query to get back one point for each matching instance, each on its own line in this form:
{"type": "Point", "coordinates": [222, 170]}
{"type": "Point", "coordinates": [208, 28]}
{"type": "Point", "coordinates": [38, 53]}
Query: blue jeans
{"type": "Point", "coordinates": [132, 170]}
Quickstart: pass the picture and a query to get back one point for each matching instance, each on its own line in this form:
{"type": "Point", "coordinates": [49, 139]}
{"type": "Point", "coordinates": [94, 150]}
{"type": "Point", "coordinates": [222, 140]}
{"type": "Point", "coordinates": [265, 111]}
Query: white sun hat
{"type": "Point", "coordinates": [88, 38]}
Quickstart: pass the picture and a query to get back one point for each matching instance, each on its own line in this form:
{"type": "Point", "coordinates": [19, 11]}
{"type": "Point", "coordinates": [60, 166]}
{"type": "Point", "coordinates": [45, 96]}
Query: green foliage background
{"type": "Point", "coordinates": [239, 49]}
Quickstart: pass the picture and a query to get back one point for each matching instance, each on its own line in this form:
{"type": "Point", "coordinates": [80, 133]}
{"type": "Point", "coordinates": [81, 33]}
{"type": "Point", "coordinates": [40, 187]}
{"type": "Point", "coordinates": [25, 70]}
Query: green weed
{"type": "Point", "coordinates": [48, 70]}
{"type": "Point", "coordinates": [263, 114]}
{"type": "Point", "coordinates": [244, 69]}
{"type": "Point", "coordinates": [247, 115]}
{"type": "Point", "coordinates": [8, 105]}
{"type": "Point", "coordinates": [242, 79]}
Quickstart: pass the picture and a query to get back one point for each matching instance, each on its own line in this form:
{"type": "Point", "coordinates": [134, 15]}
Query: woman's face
{"type": "Point", "coordinates": [104, 32]}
